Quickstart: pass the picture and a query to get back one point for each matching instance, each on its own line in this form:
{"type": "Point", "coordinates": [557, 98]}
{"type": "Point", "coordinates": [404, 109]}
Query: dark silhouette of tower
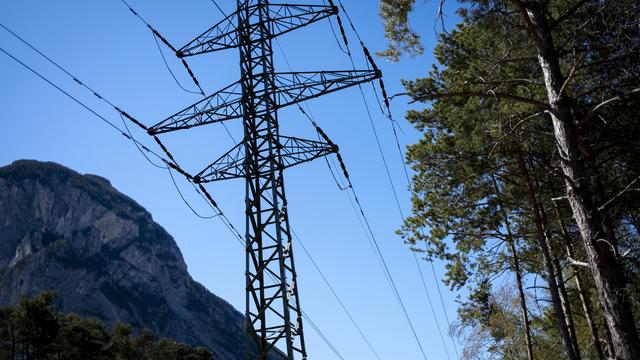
{"type": "Point", "coordinates": [273, 312]}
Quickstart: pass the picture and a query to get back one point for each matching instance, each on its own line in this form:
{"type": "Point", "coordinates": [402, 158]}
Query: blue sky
{"type": "Point", "coordinates": [109, 49]}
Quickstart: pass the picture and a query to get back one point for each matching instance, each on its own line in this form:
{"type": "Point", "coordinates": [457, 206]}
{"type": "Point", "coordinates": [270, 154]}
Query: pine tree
{"type": "Point", "coordinates": [533, 93]}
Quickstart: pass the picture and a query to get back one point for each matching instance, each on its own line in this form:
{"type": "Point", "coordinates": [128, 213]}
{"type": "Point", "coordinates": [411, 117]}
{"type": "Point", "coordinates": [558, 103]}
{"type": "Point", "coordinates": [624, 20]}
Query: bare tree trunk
{"type": "Point", "coordinates": [518, 272]}
{"type": "Point", "coordinates": [562, 289]}
{"type": "Point", "coordinates": [610, 348]}
{"type": "Point", "coordinates": [584, 297]}
{"type": "Point", "coordinates": [566, 305]}
{"type": "Point", "coordinates": [546, 256]}
{"type": "Point", "coordinates": [599, 240]}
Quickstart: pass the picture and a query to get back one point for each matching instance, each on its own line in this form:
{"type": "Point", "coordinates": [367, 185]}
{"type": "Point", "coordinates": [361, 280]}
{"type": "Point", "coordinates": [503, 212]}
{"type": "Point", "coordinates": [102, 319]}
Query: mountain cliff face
{"type": "Point", "coordinates": [105, 257]}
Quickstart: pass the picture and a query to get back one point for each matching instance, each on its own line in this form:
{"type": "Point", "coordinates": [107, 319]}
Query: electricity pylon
{"type": "Point", "coordinates": [273, 313]}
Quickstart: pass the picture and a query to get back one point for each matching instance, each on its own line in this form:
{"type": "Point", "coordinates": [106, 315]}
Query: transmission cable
{"type": "Point", "coordinates": [141, 147]}
{"type": "Point", "coordinates": [80, 103]}
{"type": "Point", "coordinates": [124, 122]}
{"type": "Point", "coordinates": [166, 64]}
{"type": "Point", "coordinates": [202, 191]}
{"type": "Point", "coordinates": [388, 114]}
{"type": "Point", "coordinates": [144, 150]}
{"type": "Point", "coordinates": [368, 227]}
{"type": "Point", "coordinates": [156, 36]}
{"type": "Point", "coordinates": [238, 236]}
{"type": "Point", "coordinates": [326, 281]}
{"type": "Point", "coordinates": [185, 201]}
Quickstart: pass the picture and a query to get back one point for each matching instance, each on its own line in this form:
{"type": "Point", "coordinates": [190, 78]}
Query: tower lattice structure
{"type": "Point", "coordinates": [273, 312]}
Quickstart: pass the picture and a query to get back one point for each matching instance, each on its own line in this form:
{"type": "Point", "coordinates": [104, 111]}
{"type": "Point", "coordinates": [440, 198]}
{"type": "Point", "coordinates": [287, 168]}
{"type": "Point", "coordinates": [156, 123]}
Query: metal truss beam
{"type": "Point", "coordinates": [283, 18]}
{"type": "Point", "coordinates": [288, 88]}
{"type": "Point", "coordinates": [293, 151]}
{"type": "Point", "coordinates": [273, 312]}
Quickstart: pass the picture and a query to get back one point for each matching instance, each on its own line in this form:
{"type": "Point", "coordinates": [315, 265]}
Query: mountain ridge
{"type": "Point", "coordinates": [105, 257]}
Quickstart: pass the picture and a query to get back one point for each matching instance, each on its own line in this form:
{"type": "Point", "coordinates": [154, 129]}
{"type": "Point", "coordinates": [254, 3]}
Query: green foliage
{"type": "Point", "coordinates": [395, 14]}
{"type": "Point", "coordinates": [487, 110]}
{"type": "Point", "coordinates": [489, 323]}
{"type": "Point", "coordinates": [35, 331]}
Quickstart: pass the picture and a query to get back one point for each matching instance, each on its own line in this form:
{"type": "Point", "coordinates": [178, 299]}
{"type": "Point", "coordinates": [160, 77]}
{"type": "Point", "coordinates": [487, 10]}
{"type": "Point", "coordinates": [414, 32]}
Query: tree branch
{"type": "Point", "coordinates": [470, 94]}
{"type": "Point", "coordinates": [574, 262]}
{"type": "Point", "coordinates": [627, 188]}
{"type": "Point", "coordinates": [609, 101]}
{"type": "Point", "coordinates": [562, 18]}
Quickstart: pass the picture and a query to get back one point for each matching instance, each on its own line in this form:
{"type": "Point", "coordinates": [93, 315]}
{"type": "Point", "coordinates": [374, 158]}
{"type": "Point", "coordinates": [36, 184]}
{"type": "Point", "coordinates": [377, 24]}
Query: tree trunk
{"type": "Point", "coordinates": [566, 305]}
{"type": "Point", "coordinates": [562, 289]}
{"type": "Point", "coordinates": [599, 243]}
{"type": "Point", "coordinates": [610, 348]}
{"type": "Point", "coordinates": [582, 294]}
{"type": "Point", "coordinates": [518, 272]}
{"type": "Point", "coordinates": [546, 256]}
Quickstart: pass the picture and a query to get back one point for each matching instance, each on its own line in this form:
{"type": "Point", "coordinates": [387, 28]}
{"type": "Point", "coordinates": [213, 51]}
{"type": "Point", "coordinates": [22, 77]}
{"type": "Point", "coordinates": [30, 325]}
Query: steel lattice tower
{"type": "Point", "coordinates": [273, 313]}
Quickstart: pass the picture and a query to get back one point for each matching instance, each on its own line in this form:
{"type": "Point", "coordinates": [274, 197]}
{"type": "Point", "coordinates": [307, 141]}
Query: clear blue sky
{"type": "Point", "coordinates": [105, 46]}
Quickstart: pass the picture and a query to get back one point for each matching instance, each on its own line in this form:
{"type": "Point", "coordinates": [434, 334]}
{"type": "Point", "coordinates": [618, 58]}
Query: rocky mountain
{"type": "Point", "coordinates": [105, 257]}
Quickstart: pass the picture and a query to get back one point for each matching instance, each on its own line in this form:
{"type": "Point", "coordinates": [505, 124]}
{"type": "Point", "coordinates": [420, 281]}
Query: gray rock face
{"type": "Point", "coordinates": [105, 257]}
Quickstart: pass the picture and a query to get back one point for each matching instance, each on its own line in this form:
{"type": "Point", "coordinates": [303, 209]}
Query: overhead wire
{"type": "Point", "coordinates": [342, 305]}
{"type": "Point", "coordinates": [388, 114]}
{"type": "Point", "coordinates": [169, 164]}
{"type": "Point", "coordinates": [157, 35]}
{"type": "Point", "coordinates": [240, 239]}
{"type": "Point", "coordinates": [166, 64]}
{"type": "Point", "coordinates": [357, 201]}
{"type": "Point", "coordinates": [185, 201]}
{"type": "Point", "coordinates": [218, 7]}
{"type": "Point", "coordinates": [174, 164]}
{"type": "Point", "coordinates": [111, 124]}
{"type": "Point", "coordinates": [306, 316]}
{"type": "Point", "coordinates": [139, 148]}
{"type": "Point", "coordinates": [205, 194]}
{"type": "Point", "coordinates": [143, 149]}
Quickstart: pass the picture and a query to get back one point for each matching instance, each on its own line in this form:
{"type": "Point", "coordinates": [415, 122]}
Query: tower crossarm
{"type": "Point", "coordinates": [294, 87]}
{"type": "Point", "coordinates": [282, 18]}
{"type": "Point", "coordinates": [222, 105]}
{"type": "Point", "coordinates": [291, 88]}
{"type": "Point", "coordinates": [293, 151]}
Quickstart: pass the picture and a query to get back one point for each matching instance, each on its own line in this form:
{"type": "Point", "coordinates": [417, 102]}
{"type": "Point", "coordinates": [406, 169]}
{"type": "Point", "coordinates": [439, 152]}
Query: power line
{"type": "Point", "coordinates": [322, 336]}
{"type": "Point", "coordinates": [433, 311]}
{"type": "Point", "coordinates": [185, 201]}
{"type": "Point", "coordinates": [397, 201]}
{"type": "Point", "coordinates": [326, 281]}
{"type": "Point", "coordinates": [55, 64]}
{"type": "Point", "coordinates": [433, 271]}
{"type": "Point", "coordinates": [156, 35]}
{"type": "Point", "coordinates": [406, 173]}
{"type": "Point", "coordinates": [79, 102]}
{"type": "Point", "coordinates": [386, 268]}
{"type": "Point", "coordinates": [225, 220]}
{"type": "Point", "coordinates": [141, 147]}
{"type": "Point", "coordinates": [164, 60]}
{"type": "Point", "coordinates": [75, 79]}
{"type": "Point", "coordinates": [138, 147]}
{"type": "Point", "coordinates": [310, 118]}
